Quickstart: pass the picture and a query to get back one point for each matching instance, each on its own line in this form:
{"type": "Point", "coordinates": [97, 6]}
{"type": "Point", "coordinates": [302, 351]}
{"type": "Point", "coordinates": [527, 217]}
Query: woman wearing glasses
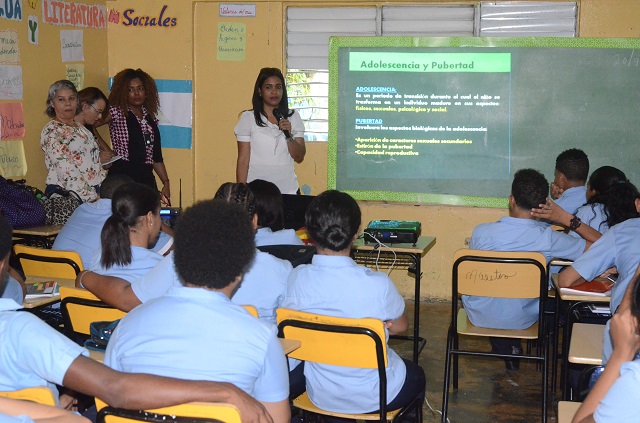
{"type": "Point", "coordinates": [134, 129]}
{"type": "Point", "coordinates": [71, 153]}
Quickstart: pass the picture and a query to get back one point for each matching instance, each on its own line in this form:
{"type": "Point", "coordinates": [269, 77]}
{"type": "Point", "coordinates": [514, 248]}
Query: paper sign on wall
{"type": "Point", "coordinates": [10, 82]}
{"type": "Point", "coordinates": [71, 45]}
{"type": "Point", "coordinates": [11, 10]}
{"type": "Point", "coordinates": [232, 41]}
{"type": "Point", "coordinates": [9, 50]}
{"type": "Point", "coordinates": [34, 30]}
{"type": "Point", "coordinates": [12, 121]}
{"type": "Point", "coordinates": [75, 74]}
{"type": "Point", "coordinates": [237, 10]}
{"type": "Point", "coordinates": [13, 163]}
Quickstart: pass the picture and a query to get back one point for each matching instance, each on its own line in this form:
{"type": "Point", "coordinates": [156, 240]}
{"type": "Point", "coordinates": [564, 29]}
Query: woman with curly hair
{"type": "Point", "coordinates": [270, 136]}
{"type": "Point", "coordinates": [133, 127]}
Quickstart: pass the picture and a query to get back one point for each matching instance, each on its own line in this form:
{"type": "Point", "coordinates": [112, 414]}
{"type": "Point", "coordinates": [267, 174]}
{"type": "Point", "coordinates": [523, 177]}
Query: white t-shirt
{"type": "Point", "coordinates": [270, 159]}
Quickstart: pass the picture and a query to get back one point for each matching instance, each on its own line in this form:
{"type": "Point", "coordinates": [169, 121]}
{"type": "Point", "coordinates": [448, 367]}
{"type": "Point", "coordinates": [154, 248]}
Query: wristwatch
{"type": "Point", "coordinates": [574, 223]}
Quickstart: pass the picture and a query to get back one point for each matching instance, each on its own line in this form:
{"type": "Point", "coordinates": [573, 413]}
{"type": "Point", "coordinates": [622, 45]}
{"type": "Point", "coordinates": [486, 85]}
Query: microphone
{"type": "Point", "coordinates": [278, 115]}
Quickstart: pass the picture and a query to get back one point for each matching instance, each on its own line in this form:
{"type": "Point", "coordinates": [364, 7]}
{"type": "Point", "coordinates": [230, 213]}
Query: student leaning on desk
{"type": "Point", "coordinates": [615, 395]}
{"type": "Point", "coordinates": [33, 354]}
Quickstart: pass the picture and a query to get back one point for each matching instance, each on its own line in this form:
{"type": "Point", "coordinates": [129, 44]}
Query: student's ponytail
{"type": "Point", "coordinates": [116, 245]}
{"type": "Point", "coordinates": [130, 202]}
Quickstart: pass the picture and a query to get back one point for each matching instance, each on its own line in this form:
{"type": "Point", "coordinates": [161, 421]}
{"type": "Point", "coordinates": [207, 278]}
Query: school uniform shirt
{"type": "Point", "coordinates": [572, 199]}
{"type": "Point", "coordinates": [620, 247]}
{"type": "Point", "coordinates": [82, 231]}
{"type": "Point", "coordinates": [198, 334]}
{"type": "Point", "coordinates": [269, 159]}
{"type": "Point", "coordinates": [32, 354]}
{"type": "Point", "coordinates": [263, 286]}
{"type": "Point", "coordinates": [12, 289]}
{"type": "Point", "coordinates": [516, 234]}
{"type": "Point", "coordinates": [265, 236]}
{"type": "Point", "coordinates": [620, 403]}
{"type": "Point", "coordinates": [337, 286]}
{"type": "Point", "coordinates": [6, 418]}
{"type": "Point", "coordinates": [593, 215]}
{"type": "Point", "coordinates": [142, 261]}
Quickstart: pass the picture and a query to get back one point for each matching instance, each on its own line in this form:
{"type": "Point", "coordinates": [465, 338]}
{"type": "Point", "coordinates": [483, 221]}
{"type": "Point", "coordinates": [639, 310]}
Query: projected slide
{"type": "Point", "coordinates": [444, 117]}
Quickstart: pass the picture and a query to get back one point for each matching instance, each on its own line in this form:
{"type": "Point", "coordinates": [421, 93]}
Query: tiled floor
{"type": "Point", "coordinates": [487, 392]}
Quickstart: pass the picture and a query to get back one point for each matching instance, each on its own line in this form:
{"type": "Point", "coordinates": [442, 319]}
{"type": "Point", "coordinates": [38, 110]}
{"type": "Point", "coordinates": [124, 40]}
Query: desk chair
{"type": "Point", "coordinates": [48, 263]}
{"type": "Point", "coordinates": [184, 413]}
{"type": "Point", "coordinates": [79, 309]}
{"type": "Point", "coordinates": [251, 309]}
{"type": "Point", "coordinates": [40, 394]}
{"type": "Point", "coordinates": [474, 274]}
{"type": "Point", "coordinates": [342, 342]}
{"type": "Point", "coordinates": [550, 315]}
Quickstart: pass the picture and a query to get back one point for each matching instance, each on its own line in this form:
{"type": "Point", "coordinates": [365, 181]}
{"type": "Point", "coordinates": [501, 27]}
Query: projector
{"type": "Point", "coordinates": [392, 231]}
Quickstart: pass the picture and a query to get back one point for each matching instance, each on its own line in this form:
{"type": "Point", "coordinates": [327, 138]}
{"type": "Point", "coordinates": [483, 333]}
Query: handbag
{"type": "Point", "coordinates": [60, 206]}
{"type": "Point", "coordinates": [19, 205]}
{"type": "Point", "coordinates": [100, 334]}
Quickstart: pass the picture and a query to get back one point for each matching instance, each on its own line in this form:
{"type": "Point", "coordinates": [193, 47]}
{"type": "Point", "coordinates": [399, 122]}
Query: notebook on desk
{"type": "Point", "coordinates": [598, 287]}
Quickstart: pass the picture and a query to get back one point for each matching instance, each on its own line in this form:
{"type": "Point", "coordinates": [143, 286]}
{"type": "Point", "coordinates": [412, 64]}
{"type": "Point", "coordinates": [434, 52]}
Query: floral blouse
{"type": "Point", "coordinates": [72, 157]}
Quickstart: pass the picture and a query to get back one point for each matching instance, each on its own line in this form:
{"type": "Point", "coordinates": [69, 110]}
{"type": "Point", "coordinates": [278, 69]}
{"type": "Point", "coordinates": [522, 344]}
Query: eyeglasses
{"type": "Point", "coordinates": [99, 112]}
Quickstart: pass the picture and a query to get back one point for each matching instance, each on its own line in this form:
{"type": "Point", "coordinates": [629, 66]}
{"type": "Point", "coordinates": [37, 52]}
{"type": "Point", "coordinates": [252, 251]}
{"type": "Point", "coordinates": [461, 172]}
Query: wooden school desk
{"type": "Point", "coordinates": [573, 301]}
{"type": "Point", "coordinates": [586, 344]}
{"type": "Point", "coordinates": [406, 256]}
{"type": "Point", "coordinates": [37, 236]}
{"type": "Point", "coordinates": [43, 301]}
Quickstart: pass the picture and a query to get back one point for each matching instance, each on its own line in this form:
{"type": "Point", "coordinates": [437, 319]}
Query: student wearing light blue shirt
{"type": "Point", "coordinates": [263, 286]}
{"type": "Point", "coordinates": [519, 231]}
{"type": "Point", "coordinates": [570, 175]}
{"type": "Point", "coordinates": [614, 397]}
{"type": "Point", "coordinates": [270, 213]}
{"type": "Point", "coordinates": [34, 354]}
{"type": "Point", "coordinates": [333, 284]}
{"type": "Point", "coordinates": [197, 332]}
{"type": "Point", "coordinates": [82, 231]}
{"type": "Point", "coordinates": [134, 224]}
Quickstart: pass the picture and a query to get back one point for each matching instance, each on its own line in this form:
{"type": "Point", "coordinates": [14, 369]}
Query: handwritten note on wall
{"type": "Point", "coordinates": [11, 121]}
{"type": "Point", "coordinates": [232, 41]}
{"type": "Point", "coordinates": [72, 45]}
{"type": "Point", "coordinates": [75, 74]}
{"type": "Point", "coordinates": [9, 50]}
{"type": "Point", "coordinates": [10, 82]}
{"type": "Point", "coordinates": [13, 163]}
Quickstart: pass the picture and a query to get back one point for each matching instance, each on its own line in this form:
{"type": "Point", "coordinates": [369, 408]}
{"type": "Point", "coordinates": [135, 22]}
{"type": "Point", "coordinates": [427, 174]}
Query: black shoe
{"type": "Point", "coordinates": [513, 364]}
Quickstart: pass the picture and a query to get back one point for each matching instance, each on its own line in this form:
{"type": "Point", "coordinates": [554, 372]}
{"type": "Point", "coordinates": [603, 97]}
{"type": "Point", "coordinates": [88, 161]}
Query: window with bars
{"type": "Point", "coordinates": [308, 30]}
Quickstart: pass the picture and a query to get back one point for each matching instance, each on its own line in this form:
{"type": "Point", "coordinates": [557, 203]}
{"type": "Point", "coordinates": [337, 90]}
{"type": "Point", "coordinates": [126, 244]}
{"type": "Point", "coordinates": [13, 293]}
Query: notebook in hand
{"type": "Point", "coordinates": [597, 287]}
{"type": "Point", "coordinates": [42, 289]}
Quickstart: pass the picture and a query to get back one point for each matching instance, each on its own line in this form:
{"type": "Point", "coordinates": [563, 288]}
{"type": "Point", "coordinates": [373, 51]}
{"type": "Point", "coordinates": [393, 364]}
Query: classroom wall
{"type": "Point", "coordinates": [42, 65]}
{"type": "Point", "coordinates": [222, 89]}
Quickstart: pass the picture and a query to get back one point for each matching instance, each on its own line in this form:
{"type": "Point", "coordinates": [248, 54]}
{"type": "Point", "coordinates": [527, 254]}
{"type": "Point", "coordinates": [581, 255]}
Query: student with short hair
{"type": "Point", "coordinates": [570, 175]}
{"type": "Point", "coordinates": [34, 354]}
{"type": "Point", "coordinates": [519, 231]}
{"type": "Point", "coordinates": [335, 285]}
{"type": "Point", "coordinates": [196, 331]}
{"type": "Point", "coordinates": [134, 224]}
{"type": "Point", "coordinates": [270, 213]}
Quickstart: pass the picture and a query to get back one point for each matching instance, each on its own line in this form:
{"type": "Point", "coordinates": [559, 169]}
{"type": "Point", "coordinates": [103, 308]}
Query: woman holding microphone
{"type": "Point", "coordinates": [270, 136]}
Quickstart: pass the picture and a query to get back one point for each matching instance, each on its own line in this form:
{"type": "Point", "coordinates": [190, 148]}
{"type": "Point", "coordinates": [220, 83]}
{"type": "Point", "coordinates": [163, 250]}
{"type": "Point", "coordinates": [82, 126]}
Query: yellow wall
{"type": "Point", "coordinates": [223, 89]}
{"type": "Point", "coordinates": [41, 66]}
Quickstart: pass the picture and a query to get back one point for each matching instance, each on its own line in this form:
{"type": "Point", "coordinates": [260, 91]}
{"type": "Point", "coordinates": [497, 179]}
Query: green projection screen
{"type": "Point", "coordinates": [450, 120]}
